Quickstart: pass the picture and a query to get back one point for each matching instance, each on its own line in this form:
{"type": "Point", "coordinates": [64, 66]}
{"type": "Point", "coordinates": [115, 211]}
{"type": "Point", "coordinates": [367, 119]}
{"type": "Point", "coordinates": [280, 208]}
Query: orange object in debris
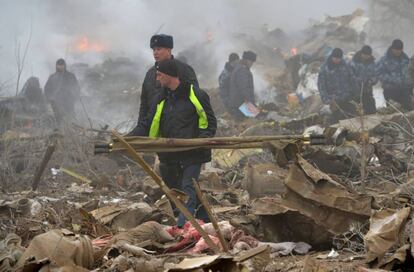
{"type": "Point", "coordinates": [293, 100]}
{"type": "Point", "coordinates": [85, 45]}
{"type": "Point", "coordinates": [293, 51]}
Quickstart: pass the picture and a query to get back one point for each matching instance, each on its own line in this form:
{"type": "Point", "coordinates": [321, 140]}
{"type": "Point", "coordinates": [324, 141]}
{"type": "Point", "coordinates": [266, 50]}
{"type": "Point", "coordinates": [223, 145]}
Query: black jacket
{"type": "Point", "coordinates": [151, 88]}
{"type": "Point", "coordinates": [179, 119]}
{"type": "Point", "coordinates": [224, 81]}
{"type": "Point", "coordinates": [241, 86]}
{"type": "Point", "coordinates": [63, 91]}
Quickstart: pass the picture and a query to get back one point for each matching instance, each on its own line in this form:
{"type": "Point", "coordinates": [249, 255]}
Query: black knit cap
{"type": "Point", "coordinates": [162, 40]}
{"type": "Point", "coordinates": [249, 55]}
{"type": "Point", "coordinates": [337, 53]}
{"type": "Point", "coordinates": [233, 57]}
{"type": "Point", "coordinates": [168, 67]}
{"type": "Point", "coordinates": [397, 44]}
{"type": "Point", "coordinates": [366, 49]}
{"type": "Point", "coordinates": [61, 62]}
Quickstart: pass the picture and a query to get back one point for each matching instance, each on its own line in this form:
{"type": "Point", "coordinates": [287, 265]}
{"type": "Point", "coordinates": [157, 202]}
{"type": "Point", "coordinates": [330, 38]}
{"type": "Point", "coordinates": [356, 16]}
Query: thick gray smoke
{"type": "Point", "coordinates": [114, 28]}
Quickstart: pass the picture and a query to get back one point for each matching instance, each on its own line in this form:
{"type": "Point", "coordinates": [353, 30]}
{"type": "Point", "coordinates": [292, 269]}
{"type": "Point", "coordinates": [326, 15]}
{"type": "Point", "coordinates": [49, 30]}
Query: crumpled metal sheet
{"type": "Point", "coordinates": [333, 220]}
{"type": "Point", "coordinates": [313, 173]}
{"type": "Point", "coordinates": [317, 197]}
{"type": "Point", "coordinates": [385, 232]}
{"type": "Point", "coordinates": [312, 184]}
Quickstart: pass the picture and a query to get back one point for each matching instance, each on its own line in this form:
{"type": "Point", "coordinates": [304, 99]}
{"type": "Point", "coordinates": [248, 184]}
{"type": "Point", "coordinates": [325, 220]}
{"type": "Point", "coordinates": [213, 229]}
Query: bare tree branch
{"type": "Point", "coordinates": [20, 61]}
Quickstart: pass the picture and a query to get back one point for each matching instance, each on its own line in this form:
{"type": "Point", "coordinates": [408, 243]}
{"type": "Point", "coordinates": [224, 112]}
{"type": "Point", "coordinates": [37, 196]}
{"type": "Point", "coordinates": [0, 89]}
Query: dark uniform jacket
{"type": "Point", "coordinates": [335, 82]}
{"type": "Point", "coordinates": [241, 86]}
{"type": "Point", "coordinates": [179, 119]}
{"type": "Point", "coordinates": [363, 73]}
{"type": "Point", "coordinates": [63, 91]}
{"type": "Point", "coordinates": [224, 82]}
{"type": "Point", "coordinates": [391, 70]}
{"type": "Point", "coordinates": [151, 88]}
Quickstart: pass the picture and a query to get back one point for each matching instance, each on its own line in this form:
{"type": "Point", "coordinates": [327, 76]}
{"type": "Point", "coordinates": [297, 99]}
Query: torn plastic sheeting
{"type": "Point", "coordinates": [62, 247]}
{"type": "Point", "coordinates": [385, 232]}
{"type": "Point", "coordinates": [307, 181]}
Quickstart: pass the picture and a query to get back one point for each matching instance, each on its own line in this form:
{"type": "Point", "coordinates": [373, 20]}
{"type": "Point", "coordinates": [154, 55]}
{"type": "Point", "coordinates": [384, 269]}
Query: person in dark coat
{"type": "Point", "coordinates": [181, 110]}
{"type": "Point", "coordinates": [391, 71]}
{"type": "Point", "coordinates": [335, 85]}
{"type": "Point", "coordinates": [224, 78]}
{"type": "Point", "coordinates": [33, 94]}
{"type": "Point", "coordinates": [161, 46]}
{"type": "Point", "coordinates": [241, 84]}
{"type": "Point", "coordinates": [363, 73]}
{"type": "Point", "coordinates": [62, 91]}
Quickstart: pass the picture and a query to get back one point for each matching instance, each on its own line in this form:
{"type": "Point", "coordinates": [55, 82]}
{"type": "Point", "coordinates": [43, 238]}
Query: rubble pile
{"type": "Point", "coordinates": [343, 206]}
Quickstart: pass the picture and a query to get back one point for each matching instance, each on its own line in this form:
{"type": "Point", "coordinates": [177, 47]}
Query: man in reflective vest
{"type": "Point", "coordinates": [183, 111]}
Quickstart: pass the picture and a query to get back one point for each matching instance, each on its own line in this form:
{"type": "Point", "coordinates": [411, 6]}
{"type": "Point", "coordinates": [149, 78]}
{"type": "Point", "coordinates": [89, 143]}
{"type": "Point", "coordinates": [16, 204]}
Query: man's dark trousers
{"type": "Point", "coordinates": [178, 176]}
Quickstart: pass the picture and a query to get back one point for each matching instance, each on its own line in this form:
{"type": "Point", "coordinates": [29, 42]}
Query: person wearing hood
{"type": "Point", "coordinates": [391, 71]}
{"type": "Point", "coordinates": [224, 78]}
{"type": "Point", "coordinates": [335, 85]}
{"type": "Point", "coordinates": [241, 84]}
{"type": "Point", "coordinates": [180, 110]}
{"type": "Point", "coordinates": [62, 91]}
{"type": "Point", "coordinates": [33, 94]}
{"type": "Point", "coordinates": [363, 73]}
{"type": "Point", "coordinates": [161, 45]}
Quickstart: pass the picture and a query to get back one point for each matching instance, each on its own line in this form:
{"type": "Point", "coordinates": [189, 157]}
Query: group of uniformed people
{"type": "Point", "coordinates": [341, 83]}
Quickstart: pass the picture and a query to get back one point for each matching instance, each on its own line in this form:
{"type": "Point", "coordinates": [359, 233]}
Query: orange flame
{"type": "Point", "coordinates": [85, 45]}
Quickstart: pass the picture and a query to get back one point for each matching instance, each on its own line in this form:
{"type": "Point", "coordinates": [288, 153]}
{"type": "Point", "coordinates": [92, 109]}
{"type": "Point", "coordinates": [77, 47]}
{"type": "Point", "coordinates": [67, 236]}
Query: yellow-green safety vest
{"type": "Point", "coordinates": [202, 116]}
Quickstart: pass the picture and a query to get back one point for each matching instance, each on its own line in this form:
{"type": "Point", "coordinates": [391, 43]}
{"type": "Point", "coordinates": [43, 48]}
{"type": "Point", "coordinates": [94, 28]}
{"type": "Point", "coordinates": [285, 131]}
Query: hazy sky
{"type": "Point", "coordinates": [59, 28]}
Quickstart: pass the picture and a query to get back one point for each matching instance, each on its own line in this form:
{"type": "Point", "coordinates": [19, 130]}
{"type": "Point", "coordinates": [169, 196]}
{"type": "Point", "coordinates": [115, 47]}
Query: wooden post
{"type": "Point", "coordinates": [39, 172]}
{"type": "Point", "coordinates": [210, 214]}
